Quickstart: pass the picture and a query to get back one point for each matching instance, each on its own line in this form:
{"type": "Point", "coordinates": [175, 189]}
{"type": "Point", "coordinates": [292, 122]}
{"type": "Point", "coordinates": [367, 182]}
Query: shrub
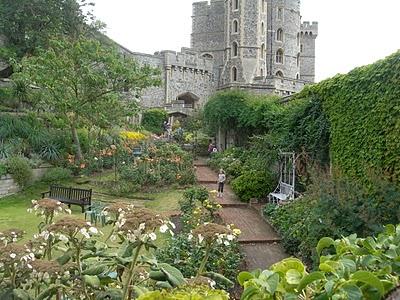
{"type": "Point", "coordinates": [152, 120]}
{"type": "Point", "coordinates": [3, 168]}
{"type": "Point", "coordinates": [20, 170]}
{"type": "Point", "coordinates": [56, 175]}
{"type": "Point", "coordinates": [253, 184]}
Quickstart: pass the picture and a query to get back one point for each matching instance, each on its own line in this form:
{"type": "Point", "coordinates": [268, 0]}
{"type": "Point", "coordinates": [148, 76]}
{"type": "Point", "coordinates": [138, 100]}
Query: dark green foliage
{"type": "Point", "coordinates": [334, 207]}
{"type": "Point", "coordinates": [20, 170]}
{"type": "Point", "coordinates": [25, 135]}
{"type": "Point", "coordinates": [364, 116]}
{"type": "Point", "coordinates": [253, 184]}
{"type": "Point", "coordinates": [57, 175]}
{"type": "Point", "coordinates": [153, 119]}
{"type": "Point", "coordinates": [27, 24]}
{"type": "Point", "coordinates": [186, 256]}
{"type": "Point", "coordinates": [3, 168]}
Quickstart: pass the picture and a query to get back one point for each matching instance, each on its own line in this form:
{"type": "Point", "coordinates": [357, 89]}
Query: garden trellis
{"type": "Point", "coordinates": [285, 190]}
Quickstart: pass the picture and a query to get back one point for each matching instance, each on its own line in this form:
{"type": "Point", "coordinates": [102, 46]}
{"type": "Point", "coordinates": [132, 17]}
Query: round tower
{"type": "Point", "coordinates": [283, 39]}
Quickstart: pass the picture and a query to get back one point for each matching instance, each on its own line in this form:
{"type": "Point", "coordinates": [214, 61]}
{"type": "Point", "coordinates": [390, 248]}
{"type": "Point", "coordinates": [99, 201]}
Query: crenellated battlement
{"type": "Point", "coordinates": [205, 7]}
{"type": "Point", "coordinates": [309, 27]}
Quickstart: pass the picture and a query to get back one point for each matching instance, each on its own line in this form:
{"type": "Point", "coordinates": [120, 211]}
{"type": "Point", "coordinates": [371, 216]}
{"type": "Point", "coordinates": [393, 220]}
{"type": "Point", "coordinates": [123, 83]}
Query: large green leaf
{"type": "Point", "coordinates": [96, 270]}
{"type": "Point", "coordinates": [293, 277]}
{"type": "Point", "coordinates": [249, 292]}
{"type": "Point", "coordinates": [370, 279]}
{"type": "Point", "coordinates": [324, 243]}
{"type": "Point", "coordinates": [353, 292]}
{"type": "Point", "coordinates": [92, 281]}
{"type": "Point", "coordinates": [174, 276]}
{"type": "Point", "coordinates": [243, 277]}
{"type": "Point", "coordinates": [310, 278]}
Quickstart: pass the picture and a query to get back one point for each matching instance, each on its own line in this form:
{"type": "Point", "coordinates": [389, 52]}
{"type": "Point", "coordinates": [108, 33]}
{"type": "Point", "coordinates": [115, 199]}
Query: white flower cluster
{"type": "Point", "coordinates": [220, 238]}
{"type": "Point", "coordinates": [19, 258]}
{"type": "Point", "coordinates": [13, 237]}
{"type": "Point", "coordinates": [142, 233]}
{"type": "Point", "coordinates": [40, 210]}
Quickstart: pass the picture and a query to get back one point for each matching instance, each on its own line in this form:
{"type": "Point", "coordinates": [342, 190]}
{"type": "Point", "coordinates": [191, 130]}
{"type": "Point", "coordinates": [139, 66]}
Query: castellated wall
{"type": "Point", "coordinates": [181, 72]}
{"type": "Point", "coordinates": [309, 33]}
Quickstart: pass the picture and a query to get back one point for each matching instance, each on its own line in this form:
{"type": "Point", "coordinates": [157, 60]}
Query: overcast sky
{"type": "Point", "coordinates": [351, 32]}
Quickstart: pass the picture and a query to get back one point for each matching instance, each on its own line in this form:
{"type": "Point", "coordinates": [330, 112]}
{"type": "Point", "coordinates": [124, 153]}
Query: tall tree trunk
{"type": "Point", "coordinates": [77, 143]}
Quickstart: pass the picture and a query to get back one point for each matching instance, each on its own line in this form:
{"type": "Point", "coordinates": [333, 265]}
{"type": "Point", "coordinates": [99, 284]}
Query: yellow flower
{"type": "Point", "coordinates": [236, 231]}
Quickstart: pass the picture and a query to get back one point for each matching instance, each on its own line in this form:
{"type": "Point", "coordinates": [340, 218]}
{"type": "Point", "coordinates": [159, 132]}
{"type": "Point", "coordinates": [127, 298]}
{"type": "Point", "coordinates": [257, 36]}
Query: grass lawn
{"type": "Point", "coordinates": [13, 209]}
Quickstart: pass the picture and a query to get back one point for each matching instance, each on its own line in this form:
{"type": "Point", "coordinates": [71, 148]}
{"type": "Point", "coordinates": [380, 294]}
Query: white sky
{"type": "Point", "coordinates": [351, 32]}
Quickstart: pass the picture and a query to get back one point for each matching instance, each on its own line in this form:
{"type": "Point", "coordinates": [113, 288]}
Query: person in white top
{"type": "Point", "coordinates": [221, 182]}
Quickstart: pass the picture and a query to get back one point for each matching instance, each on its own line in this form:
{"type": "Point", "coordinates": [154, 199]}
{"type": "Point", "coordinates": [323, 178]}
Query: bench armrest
{"type": "Point", "coordinates": [45, 193]}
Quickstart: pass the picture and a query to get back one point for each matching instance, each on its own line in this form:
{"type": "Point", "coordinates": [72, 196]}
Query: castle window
{"type": "Point", "coordinates": [262, 72]}
{"type": "Point", "coordinates": [262, 28]}
{"type": "Point", "coordinates": [235, 49]}
{"type": "Point", "coordinates": [297, 76]}
{"type": "Point", "coordinates": [279, 74]}
{"type": "Point", "coordinates": [234, 74]}
{"type": "Point", "coordinates": [280, 14]}
{"type": "Point", "coordinates": [235, 26]}
{"type": "Point", "coordinates": [262, 51]}
{"type": "Point", "coordinates": [279, 56]}
{"type": "Point", "coordinates": [301, 48]}
{"type": "Point", "coordinates": [235, 4]}
{"type": "Point", "coordinates": [298, 59]}
{"type": "Point", "coordinates": [279, 35]}
{"type": "Point", "coordinates": [207, 55]}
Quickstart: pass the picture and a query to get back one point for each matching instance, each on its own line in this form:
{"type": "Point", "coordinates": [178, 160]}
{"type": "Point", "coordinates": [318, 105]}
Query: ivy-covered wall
{"type": "Point", "coordinates": [363, 109]}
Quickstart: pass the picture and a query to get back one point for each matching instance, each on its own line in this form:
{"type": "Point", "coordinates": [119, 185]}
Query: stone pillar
{"type": "Point", "coordinates": [166, 84]}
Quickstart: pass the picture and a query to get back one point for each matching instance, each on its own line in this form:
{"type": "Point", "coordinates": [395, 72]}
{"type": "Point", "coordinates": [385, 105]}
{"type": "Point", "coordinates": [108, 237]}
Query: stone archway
{"type": "Point", "coordinates": [189, 100]}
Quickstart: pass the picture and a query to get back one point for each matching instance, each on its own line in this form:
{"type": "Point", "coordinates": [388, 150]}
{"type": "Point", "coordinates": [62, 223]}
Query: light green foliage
{"type": "Point", "coordinates": [20, 170]}
{"type": "Point", "coordinates": [152, 120]}
{"type": "Point", "coordinates": [81, 82]}
{"type": "Point", "coordinates": [351, 268]}
{"type": "Point", "coordinates": [363, 111]}
{"type": "Point", "coordinates": [187, 293]}
{"type": "Point", "coordinates": [242, 112]}
{"type": "Point", "coordinates": [56, 175]}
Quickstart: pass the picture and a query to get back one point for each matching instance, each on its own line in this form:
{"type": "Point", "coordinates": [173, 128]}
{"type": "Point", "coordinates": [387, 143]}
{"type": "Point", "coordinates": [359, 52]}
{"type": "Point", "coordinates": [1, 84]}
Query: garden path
{"type": "Point", "coordinates": [259, 241]}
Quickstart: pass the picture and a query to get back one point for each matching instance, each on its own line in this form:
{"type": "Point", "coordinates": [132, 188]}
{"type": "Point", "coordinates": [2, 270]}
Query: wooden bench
{"type": "Point", "coordinates": [70, 196]}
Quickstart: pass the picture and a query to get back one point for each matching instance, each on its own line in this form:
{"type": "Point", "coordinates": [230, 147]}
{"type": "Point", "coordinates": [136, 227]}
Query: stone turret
{"type": "Point", "coordinates": [308, 35]}
{"type": "Point", "coordinates": [283, 45]}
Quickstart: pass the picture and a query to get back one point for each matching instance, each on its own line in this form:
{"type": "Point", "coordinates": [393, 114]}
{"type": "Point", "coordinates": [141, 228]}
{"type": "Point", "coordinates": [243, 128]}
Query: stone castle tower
{"type": "Point", "coordinates": [258, 45]}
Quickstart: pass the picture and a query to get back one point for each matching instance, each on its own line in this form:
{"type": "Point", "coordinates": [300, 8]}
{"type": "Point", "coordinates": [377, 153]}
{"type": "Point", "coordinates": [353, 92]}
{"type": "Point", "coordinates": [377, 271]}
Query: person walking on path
{"type": "Point", "coordinates": [221, 182]}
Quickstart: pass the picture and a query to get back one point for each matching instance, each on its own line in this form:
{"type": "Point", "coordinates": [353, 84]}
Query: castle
{"type": "Point", "coordinates": [257, 45]}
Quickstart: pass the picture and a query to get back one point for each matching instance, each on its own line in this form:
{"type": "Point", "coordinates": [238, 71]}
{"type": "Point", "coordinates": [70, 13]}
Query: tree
{"type": "Point", "coordinates": [29, 24]}
{"type": "Point", "coordinates": [82, 82]}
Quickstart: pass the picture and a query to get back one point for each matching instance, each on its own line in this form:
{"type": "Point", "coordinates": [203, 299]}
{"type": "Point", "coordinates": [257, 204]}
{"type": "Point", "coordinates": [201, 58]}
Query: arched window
{"type": "Point", "coordinates": [279, 56]}
{"type": "Point", "coordinates": [235, 4]}
{"type": "Point", "coordinates": [301, 48]}
{"type": "Point", "coordinates": [234, 74]}
{"type": "Point", "coordinates": [279, 74]}
{"type": "Point", "coordinates": [297, 76]}
{"type": "Point", "coordinates": [280, 14]}
{"type": "Point", "coordinates": [235, 49]}
{"type": "Point", "coordinates": [262, 51]}
{"type": "Point", "coordinates": [235, 26]}
{"type": "Point", "coordinates": [207, 55]}
{"type": "Point", "coordinates": [298, 59]}
{"type": "Point", "coordinates": [262, 72]}
{"type": "Point", "coordinates": [279, 35]}
{"type": "Point", "coordinates": [262, 28]}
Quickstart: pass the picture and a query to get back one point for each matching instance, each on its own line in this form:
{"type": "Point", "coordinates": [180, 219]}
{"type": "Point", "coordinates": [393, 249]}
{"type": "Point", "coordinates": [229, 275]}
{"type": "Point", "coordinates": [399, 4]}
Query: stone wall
{"type": "Point", "coordinates": [9, 187]}
{"type": "Point", "coordinates": [309, 33]}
